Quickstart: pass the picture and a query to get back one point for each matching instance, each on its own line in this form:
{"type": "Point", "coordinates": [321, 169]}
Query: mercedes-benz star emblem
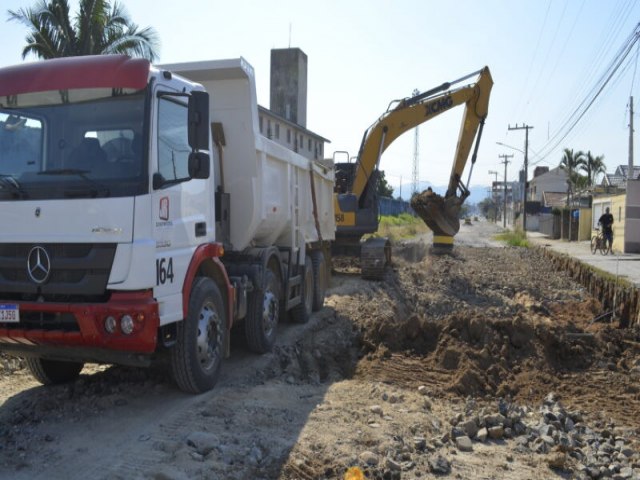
{"type": "Point", "coordinates": [38, 265]}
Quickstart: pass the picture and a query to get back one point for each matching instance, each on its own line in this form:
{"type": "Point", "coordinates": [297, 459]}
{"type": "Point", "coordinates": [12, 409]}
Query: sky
{"type": "Point", "coordinates": [547, 58]}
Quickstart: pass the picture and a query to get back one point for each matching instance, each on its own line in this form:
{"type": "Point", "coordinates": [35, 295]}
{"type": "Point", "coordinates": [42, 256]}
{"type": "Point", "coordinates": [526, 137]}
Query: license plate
{"type": "Point", "coordinates": [9, 313]}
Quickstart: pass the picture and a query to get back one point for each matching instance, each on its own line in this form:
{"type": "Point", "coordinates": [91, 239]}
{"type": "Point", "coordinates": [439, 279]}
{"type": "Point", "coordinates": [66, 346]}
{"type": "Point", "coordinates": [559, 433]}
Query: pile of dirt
{"type": "Point", "coordinates": [488, 322]}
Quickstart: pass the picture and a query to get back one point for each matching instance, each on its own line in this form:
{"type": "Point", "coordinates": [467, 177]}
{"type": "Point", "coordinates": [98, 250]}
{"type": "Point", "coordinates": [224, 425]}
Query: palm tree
{"type": "Point", "coordinates": [593, 166]}
{"type": "Point", "coordinates": [100, 27]}
{"type": "Point", "coordinates": [571, 162]}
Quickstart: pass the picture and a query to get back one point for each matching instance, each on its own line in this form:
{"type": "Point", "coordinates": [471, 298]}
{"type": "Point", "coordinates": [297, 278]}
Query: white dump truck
{"type": "Point", "coordinates": [144, 215]}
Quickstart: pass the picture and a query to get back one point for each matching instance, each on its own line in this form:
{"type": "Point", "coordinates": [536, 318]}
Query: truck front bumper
{"type": "Point", "coordinates": [83, 335]}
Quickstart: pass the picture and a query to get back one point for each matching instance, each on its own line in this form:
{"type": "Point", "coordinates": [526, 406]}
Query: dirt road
{"type": "Point", "coordinates": [481, 365]}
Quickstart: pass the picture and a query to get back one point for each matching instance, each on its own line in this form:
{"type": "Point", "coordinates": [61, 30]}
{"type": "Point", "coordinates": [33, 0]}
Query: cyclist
{"type": "Point", "coordinates": [606, 220]}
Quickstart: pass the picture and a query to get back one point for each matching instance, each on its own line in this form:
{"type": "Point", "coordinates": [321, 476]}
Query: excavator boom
{"type": "Point", "coordinates": [356, 198]}
{"type": "Point", "coordinates": [411, 112]}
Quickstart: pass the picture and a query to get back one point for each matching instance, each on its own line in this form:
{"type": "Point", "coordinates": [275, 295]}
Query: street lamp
{"type": "Point", "coordinates": [524, 187]}
{"type": "Point", "coordinates": [509, 146]}
{"type": "Point", "coordinates": [531, 150]}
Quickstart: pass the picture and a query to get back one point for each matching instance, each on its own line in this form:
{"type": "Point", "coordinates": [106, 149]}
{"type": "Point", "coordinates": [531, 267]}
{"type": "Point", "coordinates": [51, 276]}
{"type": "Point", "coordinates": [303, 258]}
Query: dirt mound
{"type": "Point", "coordinates": [485, 321]}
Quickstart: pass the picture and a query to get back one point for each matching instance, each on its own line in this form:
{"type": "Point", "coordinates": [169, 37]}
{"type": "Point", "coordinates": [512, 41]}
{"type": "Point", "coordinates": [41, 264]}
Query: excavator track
{"type": "Point", "coordinates": [375, 257]}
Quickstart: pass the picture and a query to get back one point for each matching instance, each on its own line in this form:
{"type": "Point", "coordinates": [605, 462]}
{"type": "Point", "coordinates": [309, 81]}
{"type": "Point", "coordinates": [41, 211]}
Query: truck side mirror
{"type": "Point", "coordinates": [199, 165]}
{"type": "Point", "coordinates": [199, 120]}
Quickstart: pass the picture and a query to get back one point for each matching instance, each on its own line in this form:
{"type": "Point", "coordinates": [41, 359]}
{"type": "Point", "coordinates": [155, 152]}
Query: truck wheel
{"type": "Point", "coordinates": [261, 323]}
{"type": "Point", "coordinates": [51, 372]}
{"type": "Point", "coordinates": [320, 279]}
{"type": "Point", "coordinates": [301, 312]}
{"type": "Point", "coordinates": [200, 339]}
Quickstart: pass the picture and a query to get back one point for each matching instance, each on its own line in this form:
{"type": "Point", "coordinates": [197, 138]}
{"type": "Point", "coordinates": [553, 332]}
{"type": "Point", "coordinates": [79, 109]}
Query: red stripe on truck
{"type": "Point", "coordinates": [97, 71]}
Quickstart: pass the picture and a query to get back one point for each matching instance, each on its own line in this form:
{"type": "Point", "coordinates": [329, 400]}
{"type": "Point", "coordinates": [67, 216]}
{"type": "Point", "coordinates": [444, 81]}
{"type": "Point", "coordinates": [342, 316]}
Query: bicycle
{"type": "Point", "coordinates": [598, 242]}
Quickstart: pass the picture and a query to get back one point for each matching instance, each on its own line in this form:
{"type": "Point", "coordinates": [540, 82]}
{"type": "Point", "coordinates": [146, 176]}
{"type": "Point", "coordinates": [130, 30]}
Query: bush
{"type": "Point", "coordinates": [397, 227]}
{"type": "Point", "coordinates": [515, 238]}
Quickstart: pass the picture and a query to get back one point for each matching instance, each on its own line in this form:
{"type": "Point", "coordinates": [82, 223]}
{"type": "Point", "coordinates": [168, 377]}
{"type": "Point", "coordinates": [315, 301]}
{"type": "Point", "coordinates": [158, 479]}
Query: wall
{"type": "Point", "coordinates": [632, 214]}
{"type": "Point", "coordinates": [584, 227]}
{"type": "Point", "coordinates": [289, 84]}
{"type": "Point", "coordinates": [550, 225]}
{"type": "Point", "coordinates": [617, 296]}
{"type": "Point", "coordinates": [616, 204]}
{"type": "Point", "coordinates": [289, 135]}
{"type": "Point", "coordinates": [619, 219]}
{"type": "Point", "coordinates": [533, 223]}
{"type": "Point", "coordinates": [569, 226]}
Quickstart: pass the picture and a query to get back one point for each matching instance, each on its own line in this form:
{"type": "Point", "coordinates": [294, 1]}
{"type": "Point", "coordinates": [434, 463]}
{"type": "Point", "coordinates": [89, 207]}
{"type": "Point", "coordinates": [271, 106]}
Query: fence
{"type": "Point", "coordinates": [391, 206]}
{"type": "Point", "coordinates": [550, 225]}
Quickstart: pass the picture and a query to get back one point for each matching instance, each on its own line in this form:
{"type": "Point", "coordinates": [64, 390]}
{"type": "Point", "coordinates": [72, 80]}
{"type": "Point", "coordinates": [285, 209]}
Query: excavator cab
{"type": "Point", "coordinates": [357, 216]}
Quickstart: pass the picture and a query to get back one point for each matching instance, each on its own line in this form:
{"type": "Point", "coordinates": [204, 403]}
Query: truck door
{"type": "Point", "coordinates": [180, 205]}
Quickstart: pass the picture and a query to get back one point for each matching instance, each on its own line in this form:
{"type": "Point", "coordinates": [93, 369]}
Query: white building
{"type": "Point", "coordinates": [545, 180]}
{"type": "Point", "coordinates": [291, 135]}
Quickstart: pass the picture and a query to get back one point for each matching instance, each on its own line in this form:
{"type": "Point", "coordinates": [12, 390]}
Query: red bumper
{"type": "Point", "coordinates": [90, 319]}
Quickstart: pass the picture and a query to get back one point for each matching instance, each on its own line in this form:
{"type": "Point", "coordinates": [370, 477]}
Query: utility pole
{"type": "Point", "coordinates": [630, 174]}
{"type": "Point", "coordinates": [526, 173]}
{"type": "Point", "coordinates": [493, 196]}
{"type": "Point", "coordinates": [416, 156]}
{"type": "Point", "coordinates": [504, 213]}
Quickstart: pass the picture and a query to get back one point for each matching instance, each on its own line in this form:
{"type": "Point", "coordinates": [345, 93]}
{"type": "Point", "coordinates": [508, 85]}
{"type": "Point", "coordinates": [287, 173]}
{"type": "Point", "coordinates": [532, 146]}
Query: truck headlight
{"type": "Point", "coordinates": [110, 324]}
{"type": "Point", "coordinates": [126, 324]}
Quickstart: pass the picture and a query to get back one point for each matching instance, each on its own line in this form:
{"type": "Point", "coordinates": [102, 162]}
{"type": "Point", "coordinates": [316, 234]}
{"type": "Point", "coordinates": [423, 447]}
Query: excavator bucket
{"type": "Point", "coordinates": [439, 213]}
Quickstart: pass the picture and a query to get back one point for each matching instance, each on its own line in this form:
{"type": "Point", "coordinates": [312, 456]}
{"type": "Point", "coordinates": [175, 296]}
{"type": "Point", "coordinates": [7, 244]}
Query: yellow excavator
{"type": "Point", "coordinates": [356, 199]}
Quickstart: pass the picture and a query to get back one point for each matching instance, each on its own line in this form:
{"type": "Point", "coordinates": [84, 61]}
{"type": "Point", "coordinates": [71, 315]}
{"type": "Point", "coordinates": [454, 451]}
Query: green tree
{"type": "Point", "coordinates": [488, 208]}
{"type": "Point", "coordinates": [99, 27]}
{"type": "Point", "coordinates": [384, 189]}
{"type": "Point", "coordinates": [593, 166]}
{"type": "Point", "coordinates": [571, 163]}
{"type": "Point", "coordinates": [464, 211]}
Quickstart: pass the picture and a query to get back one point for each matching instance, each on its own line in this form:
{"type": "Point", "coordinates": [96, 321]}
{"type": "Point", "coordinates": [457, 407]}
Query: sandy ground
{"type": "Point", "coordinates": [388, 379]}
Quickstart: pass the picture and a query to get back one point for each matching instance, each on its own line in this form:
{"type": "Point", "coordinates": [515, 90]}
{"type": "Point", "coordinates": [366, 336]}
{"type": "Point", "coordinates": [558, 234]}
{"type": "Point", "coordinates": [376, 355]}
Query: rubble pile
{"type": "Point", "coordinates": [561, 436]}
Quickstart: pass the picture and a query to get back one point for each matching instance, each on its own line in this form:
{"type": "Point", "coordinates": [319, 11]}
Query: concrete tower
{"type": "Point", "coordinates": [289, 84]}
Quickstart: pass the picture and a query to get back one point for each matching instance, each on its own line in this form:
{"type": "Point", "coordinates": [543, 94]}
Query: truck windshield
{"type": "Point", "coordinates": [78, 150]}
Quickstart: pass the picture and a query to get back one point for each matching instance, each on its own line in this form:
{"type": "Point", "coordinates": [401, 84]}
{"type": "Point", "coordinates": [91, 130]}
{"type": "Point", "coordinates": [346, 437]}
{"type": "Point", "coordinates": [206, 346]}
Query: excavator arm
{"type": "Point", "coordinates": [411, 112]}
{"type": "Point", "coordinates": [441, 214]}
{"type": "Point", "coordinates": [356, 200]}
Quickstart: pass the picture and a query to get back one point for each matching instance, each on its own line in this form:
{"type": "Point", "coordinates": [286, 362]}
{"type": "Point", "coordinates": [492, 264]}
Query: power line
{"type": "Point", "coordinates": [587, 77]}
{"type": "Point", "coordinates": [564, 46]}
{"type": "Point", "coordinates": [579, 112]}
{"type": "Point", "coordinates": [533, 60]}
{"type": "Point", "coordinates": [635, 69]}
{"type": "Point", "coordinates": [546, 56]}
